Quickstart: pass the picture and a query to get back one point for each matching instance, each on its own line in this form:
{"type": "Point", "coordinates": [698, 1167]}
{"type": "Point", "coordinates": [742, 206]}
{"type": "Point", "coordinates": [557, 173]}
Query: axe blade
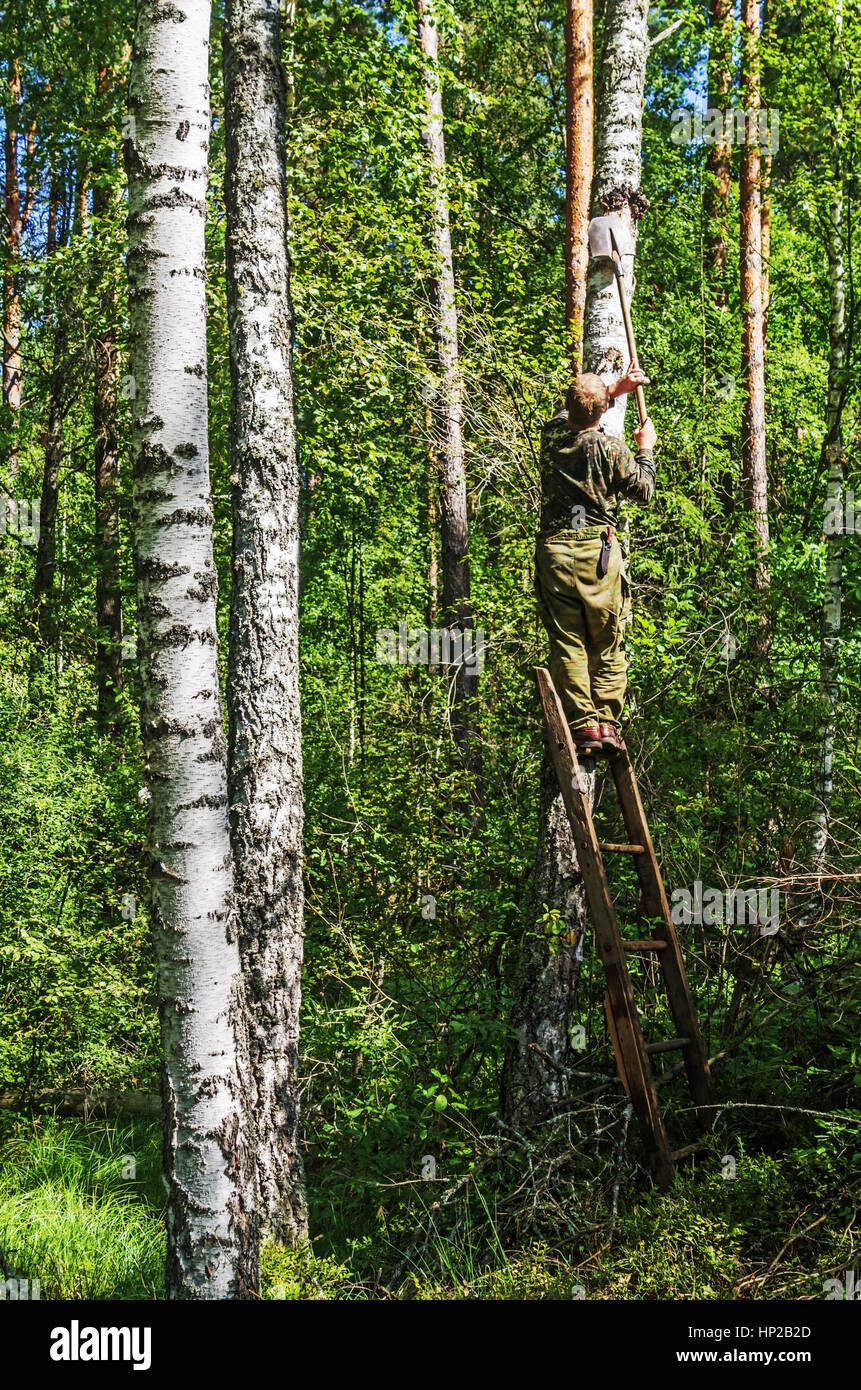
{"type": "Point", "coordinates": [609, 235]}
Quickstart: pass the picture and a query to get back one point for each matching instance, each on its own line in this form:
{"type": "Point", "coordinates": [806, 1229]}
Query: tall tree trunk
{"type": "Point", "coordinates": [616, 188]}
{"type": "Point", "coordinates": [17, 216]}
{"type": "Point", "coordinates": [579, 112]}
{"type": "Point", "coordinates": [81, 222]}
{"type": "Point", "coordinates": [46, 546]}
{"type": "Point", "coordinates": [211, 1241]}
{"type": "Point", "coordinates": [433, 562]}
{"type": "Point", "coordinates": [109, 617]}
{"type": "Point", "coordinates": [447, 405]}
{"type": "Point", "coordinates": [719, 158]}
{"type": "Point", "coordinates": [754, 473]}
{"type": "Point", "coordinates": [765, 183]}
{"type": "Point", "coordinates": [265, 763]}
{"type": "Point", "coordinates": [534, 1074]}
{"type": "Point", "coordinates": [832, 449]}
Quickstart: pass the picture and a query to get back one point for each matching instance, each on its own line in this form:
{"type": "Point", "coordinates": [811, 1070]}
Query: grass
{"type": "Point", "coordinates": [81, 1210]}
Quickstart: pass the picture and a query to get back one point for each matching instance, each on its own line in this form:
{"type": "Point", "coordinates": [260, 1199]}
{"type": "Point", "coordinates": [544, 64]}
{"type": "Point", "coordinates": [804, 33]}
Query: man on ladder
{"type": "Point", "coordinates": [582, 588]}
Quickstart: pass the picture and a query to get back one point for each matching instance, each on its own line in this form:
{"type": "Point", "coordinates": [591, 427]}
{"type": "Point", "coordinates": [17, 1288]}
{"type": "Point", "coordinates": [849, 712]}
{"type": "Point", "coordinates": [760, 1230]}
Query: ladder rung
{"type": "Point", "coordinates": [621, 849]}
{"type": "Point", "coordinates": [685, 1152]}
{"type": "Point", "coordinates": [670, 1074]}
{"type": "Point", "coordinates": [645, 945]}
{"type": "Point", "coordinates": [668, 1045]}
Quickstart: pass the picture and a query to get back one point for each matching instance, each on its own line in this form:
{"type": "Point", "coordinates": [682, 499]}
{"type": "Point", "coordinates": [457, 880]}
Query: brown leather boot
{"type": "Point", "coordinates": [610, 740]}
{"type": "Point", "coordinates": [588, 739]}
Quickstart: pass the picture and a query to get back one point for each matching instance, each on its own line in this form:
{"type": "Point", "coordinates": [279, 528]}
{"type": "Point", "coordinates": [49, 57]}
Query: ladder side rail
{"type": "Point", "coordinates": [632, 1045]}
{"type": "Point", "coordinates": [671, 961]}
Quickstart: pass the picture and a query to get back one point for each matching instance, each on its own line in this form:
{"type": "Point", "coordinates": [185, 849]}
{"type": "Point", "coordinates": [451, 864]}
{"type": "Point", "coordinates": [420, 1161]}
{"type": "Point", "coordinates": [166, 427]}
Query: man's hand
{"type": "Point", "coordinates": [646, 436]}
{"type": "Point", "coordinates": [634, 376]}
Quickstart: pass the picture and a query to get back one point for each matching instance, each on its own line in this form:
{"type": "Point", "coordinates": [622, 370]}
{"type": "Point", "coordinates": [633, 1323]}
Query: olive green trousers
{"type": "Point", "coordinates": [585, 613]}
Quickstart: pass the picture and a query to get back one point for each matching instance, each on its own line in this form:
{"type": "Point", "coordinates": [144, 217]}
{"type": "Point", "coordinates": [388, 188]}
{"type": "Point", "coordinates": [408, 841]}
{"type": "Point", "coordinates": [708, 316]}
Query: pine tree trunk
{"type": "Point", "coordinates": [534, 1076]}
{"type": "Point", "coordinates": [579, 111]}
{"type": "Point", "coordinates": [754, 473]}
{"type": "Point", "coordinates": [447, 406]}
{"type": "Point", "coordinates": [719, 157]}
{"type": "Point", "coordinates": [765, 184]}
{"type": "Point", "coordinates": [211, 1244]}
{"type": "Point", "coordinates": [265, 764]}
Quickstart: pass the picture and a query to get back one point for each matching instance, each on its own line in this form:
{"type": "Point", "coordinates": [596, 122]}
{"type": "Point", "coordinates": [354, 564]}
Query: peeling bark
{"type": "Point", "coordinates": [265, 762]}
{"type": "Point", "coordinates": [211, 1237]}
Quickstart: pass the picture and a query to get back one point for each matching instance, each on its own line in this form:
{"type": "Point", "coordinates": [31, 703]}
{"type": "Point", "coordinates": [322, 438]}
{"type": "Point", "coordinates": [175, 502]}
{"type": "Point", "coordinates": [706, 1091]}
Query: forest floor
{"type": "Point", "coordinates": [81, 1210]}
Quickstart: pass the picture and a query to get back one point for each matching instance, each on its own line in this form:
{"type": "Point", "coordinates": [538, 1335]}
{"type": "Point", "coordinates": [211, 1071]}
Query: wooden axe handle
{"type": "Point", "coordinates": [632, 346]}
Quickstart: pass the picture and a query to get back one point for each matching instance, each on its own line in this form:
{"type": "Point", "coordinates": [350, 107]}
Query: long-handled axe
{"type": "Point", "coordinates": [609, 238]}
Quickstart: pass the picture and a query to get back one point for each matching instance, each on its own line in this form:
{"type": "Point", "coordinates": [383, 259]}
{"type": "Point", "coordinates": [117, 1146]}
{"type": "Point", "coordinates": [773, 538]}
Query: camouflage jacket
{"type": "Point", "coordinates": [584, 476]}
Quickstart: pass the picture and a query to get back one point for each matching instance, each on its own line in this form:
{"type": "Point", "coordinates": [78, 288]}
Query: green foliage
{"type": "Point", "coordinates": [414, 921]}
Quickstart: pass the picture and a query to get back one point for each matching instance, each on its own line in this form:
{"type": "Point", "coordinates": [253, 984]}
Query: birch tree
{"type": "Point", "coordinates": [209, 1227]}
{"type": "Point", "coordinates": [535, 1071]}
{"type": "Point", "coordinates": [265, 761]}
{"type": "Point", "coordinates": [447, 400]}
{"type": "Point", "coordinates": [616, 188]}
{"type": "Point", "coordinates": [754, 472]}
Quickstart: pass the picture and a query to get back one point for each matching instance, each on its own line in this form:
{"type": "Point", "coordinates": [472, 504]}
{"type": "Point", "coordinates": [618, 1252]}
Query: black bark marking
{"type": "Point", "coordinates": [194, 516]}
{"type": "Point", "coordinates": [617, 198]}
{"type": "Point", "coordinates": [151, 568]}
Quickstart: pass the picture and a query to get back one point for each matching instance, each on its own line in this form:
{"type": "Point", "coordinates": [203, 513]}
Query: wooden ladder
{"type": "Point", "coordinates": [633, 1054]}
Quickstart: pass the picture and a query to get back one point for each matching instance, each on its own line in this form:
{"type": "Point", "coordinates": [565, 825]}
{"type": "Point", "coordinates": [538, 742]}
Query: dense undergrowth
{"type": "Point", "coordinates": [81, 1211]}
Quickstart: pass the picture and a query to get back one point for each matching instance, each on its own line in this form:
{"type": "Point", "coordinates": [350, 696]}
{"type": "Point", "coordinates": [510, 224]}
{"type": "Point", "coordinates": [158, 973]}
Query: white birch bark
{"type": "Point", "coordinates": [616, 188]}
{"type": "Point", "coordinates": [265, 763]}
{"type": "Point", "coordinates": [447, 402]}
{"type": "Point", "coordinates": [193, 917]}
